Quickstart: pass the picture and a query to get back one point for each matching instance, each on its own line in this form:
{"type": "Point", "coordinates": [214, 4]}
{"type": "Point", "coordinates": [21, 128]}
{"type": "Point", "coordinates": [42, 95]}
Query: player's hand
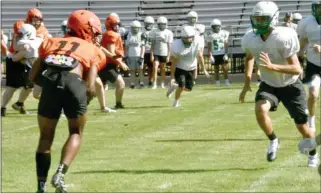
{"type": "Point", "coordinates": [152, 58]}
{"type": "Point", "coordinates": [265, 61]}
{"type": "Point", "coordinates": [212, 60]}
{"type": "Point", "coordinates": [167, 59]}
{"type": "Point", "coordinates": [207, 74]}
{"type": "Point", "coordinates": [316, 48]}
{"type": "Point", "coordinates": [124, 66]}
{"type": "Point", "coordinates": [306, 145]}
{"type": "Point", "coordinates": [243, 93]}
{"type": "Point", "coordinates": [225, 57]}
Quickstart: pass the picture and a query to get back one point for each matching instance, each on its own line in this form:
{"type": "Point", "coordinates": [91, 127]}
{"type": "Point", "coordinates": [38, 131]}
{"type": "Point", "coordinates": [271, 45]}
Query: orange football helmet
{"type": "Point", "coordinates": [17, 26]}
{"type": "Point", "coordinates": [33, 13]}
{"type": "Point", "coordinates": [84, 24]}
{"type": "Point", "coordinates": [112, 21]}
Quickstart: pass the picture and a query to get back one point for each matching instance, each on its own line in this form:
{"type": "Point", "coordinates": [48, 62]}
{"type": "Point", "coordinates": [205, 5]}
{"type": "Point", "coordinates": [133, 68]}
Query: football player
{"type": "Point", "coordinates": [309, 32]}
{"type": "Point", "coordinates": [185, 53]}
{"type": "Point", "coordinates": [274, 49]}
{"type": "Point", "coordinates": [35, 18]}
{"type": "Point", "coordinates": [297, 17]}
{"type": "Point", "coordinates": [148, 27]}
{"type": "Point", "coordinates": [112, 41]}
{"type": "Point", "coordinates": [135, 50]}
{"type": "Point", "coordinates": [218, 51]}
{"type": "Point", "coordinates": [162, 39]}
{"type": "Point", "coordinates": [72, 66]}
{"type": "Point", "coordinates": [288, 18]}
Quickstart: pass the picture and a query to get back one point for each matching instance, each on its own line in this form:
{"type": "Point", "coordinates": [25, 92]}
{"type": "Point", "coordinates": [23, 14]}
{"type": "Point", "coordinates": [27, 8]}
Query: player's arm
{"type": "Point", "coordinates": [173, 65]}
{"type": "Point", "coordinates": [4, 49]}
{"type": "Point", "coordinates": [201, 61]}
{"type": "Point", "coordinates": [226, 44]}
{"type": "Point", "coordinates": [303, 43]}
{"type": "Point", "coordinates": [19, 55]}
{"type": "Point", "coordinates": [142, 51]}
{"type": "Point", "coordinates": [35, 70]}
{"type": "Point", "coordinates": [112, 49]}
{"type": "Point", "coordinates": [293, 66]}
{"type": "Point", "coordinates": [90, 81]}
{"type": "Point", "coordinates": [249, 64]}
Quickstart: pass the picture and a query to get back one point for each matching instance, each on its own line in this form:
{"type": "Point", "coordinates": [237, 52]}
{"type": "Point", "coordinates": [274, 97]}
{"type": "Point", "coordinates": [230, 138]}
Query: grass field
{"type": "Point", "coordinates": [210, 144]}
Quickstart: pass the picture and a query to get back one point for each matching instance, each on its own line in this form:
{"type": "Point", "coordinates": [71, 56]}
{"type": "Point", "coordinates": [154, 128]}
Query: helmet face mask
{"type": "Point", "coordinates": [261, 24]}
{"type": "Point", "coordinates": [148, 26]}
{"type": "Point", "coordinates": [161, 26]}
{"type": "Point", "coordinates": [192, 20]}
{"type": "Point", "coordinates": [216, 28]}
{"type": "Point", "coordinates": [187, 35]}
{"type": "Point", "coordinates": [316, 10]}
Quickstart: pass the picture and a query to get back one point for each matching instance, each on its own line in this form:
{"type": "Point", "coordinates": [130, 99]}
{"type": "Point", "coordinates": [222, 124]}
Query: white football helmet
{"type": "Point", "coordinates": [316, 9]}
{"type": "Point", "coordinates": [187, 31]}
{"type": "Point", "coordinates": [148, 23]}
{"type": "Point", "coordinates": [264, 16]}
{"type": "Point", "coordinates": [135, 26]}
{"type": "Point", "coordinates": [64, 26]}
{"type": "Point", "coordinates": [192, 17]}
{"type": "Point", "coordinates": [216, 25]}
{"type": "Point", "coordinates": [297, 17]}
{"type": "Point", "coordinates": [27, 32]}
{"type": "Point", "coordinates": [162, 23]}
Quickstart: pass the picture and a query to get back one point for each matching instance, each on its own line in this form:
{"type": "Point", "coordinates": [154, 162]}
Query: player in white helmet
{"type": "Point", "coordinates": [185, 52]}
{"type": "Point", "coordinates": [288, 18]}
{"type": "Point", "coordinates": [309, 32]}
{"type": "Point", "coordinates": [192, 19]}
{"type": "Point", "coordinates": [63, 27]}
{"type": "Point", "coordinates": [162, 39]}
{"type": "Point", "coordinates": [297, 17]}
{"type": "Point", "coordinates": [134, 51]}
{"type": "Point", "coordinates": [218, 50]}
{"type": "Point", "coordinates": [27, 53]}
{"type": "Point", "coordinates": [148, 27]}
{"type": "Point", "coordinates": [274, 49]}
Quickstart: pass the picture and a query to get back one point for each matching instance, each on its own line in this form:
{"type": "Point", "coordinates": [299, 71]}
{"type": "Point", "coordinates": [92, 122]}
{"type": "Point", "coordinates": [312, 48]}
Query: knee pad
{"type": "Point", "coordinates": [301, 119]}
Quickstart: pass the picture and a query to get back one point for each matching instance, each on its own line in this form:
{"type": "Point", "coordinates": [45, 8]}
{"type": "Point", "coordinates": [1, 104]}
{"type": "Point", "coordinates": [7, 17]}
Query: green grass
{"type": "Point", "coordinates": [211, 143]}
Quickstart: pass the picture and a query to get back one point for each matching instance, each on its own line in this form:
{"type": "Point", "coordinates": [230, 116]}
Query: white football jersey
{"type": "Point", "coordinates": [282, 43]}
{"type": "Point", "coordinates": [134, 44]}
{"type": "Point", "coordinates": [32, 51]}
{"type": "Point", "coordinates": [291, 25]}
{"type": "Point", "coordinates": [217, 40]}
{"type": "Point", "coordinates": [148, 41]}
{"type": "Point", "coordinates": [161, 38]}
{"type": "Point", "coordinates": [187, 56]}
{"type": "Point", "coordinates": [310, 29]}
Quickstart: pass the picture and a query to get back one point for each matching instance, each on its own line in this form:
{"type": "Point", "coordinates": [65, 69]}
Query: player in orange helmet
{"type": "Point", "coordinates": [112, 41]}
{"type": "Point", "coordinates": [72, 65]}
{"type": "Point", "coordinates": [35, 18]}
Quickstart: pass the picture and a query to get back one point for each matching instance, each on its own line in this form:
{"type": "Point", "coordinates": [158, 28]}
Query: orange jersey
{"type": "Point", "coordinates": [81, 50]}
{"type": "Point", "coordinates": [112, 37]}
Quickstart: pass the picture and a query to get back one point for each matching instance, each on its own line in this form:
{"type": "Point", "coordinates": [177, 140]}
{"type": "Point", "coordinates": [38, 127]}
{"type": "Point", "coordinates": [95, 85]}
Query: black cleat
{"type": "Point", "coordinates": [119, 106]}
{"type": "Point", "coordinates": [20, 108]}
{"type": "Point", "coordinates": [3, 111]}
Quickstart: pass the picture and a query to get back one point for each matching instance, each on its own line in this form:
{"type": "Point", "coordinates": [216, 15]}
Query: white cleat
{"type": "Point", "coordinates": [108, 110]}
{"type": "Point", "coordinates": [176, 103]}
{"type": "Point", "coordinates": [313, 161]}
{"type": "Point", "coordinates": [163, 85]}
{"type": "Point", "coordinates": [154, 85]}
{"type": "Point", "coordinates": [170, 90]}
{"type": "Point", "coordinates": [272, 150]}
{"type": "Point", "coordinates": [227, 83]}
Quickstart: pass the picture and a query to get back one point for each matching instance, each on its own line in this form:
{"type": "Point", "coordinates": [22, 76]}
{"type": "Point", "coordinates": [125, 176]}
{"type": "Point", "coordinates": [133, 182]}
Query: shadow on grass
{"type": "Point", "coordinates": [147, 107]}
{"type": "Point", "coordinates": [220, 140]}
{"type": "Point", "coordinates": [167, 171]}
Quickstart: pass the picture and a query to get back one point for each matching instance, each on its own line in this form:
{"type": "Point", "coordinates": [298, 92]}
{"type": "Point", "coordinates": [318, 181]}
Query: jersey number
{"type": "Point", "coordinates": [73, 48]}
{"type": "Point", "coordinates": [218, 45]}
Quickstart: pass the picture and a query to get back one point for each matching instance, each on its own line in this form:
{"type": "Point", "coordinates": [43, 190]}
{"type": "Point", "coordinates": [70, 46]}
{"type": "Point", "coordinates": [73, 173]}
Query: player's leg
{"type": "Point", "coordinates": [218, 60]}
{"type": "Point", "coordinates": [265, 101]}
{"type": "Point", "coordinates": [225, 67]}
{"type": "Point", "coordinates": [155, 71]}
{"type": "Point", "coordinates": [181, 82]}
{"type": "Point", "coordinates": [140, 70]}
{"type": "Point", "coordinates": [312, 78]}
{"type": "Point", "coordinates": [36, 91]}
{"type": "Point", "coordinates": [163, 73]}
{"type": "Point", "coordinates": [19, 105]}
{"type": "Point", "coordinates": [49, 109]}
{"type": "Point", "coordinates": [294, 99]}
{"type": "Point", "coordinates": [75, 108]}
{"type": "Point", "coordinates": [100, 87]}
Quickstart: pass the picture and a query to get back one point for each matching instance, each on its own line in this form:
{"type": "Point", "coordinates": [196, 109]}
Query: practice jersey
{"type": "Point", "coordinates": [134, 44]}
{"type": "Point", "coordinates": [310, 29]}
{"type": "Point", "coordinates": [84, 52]}
{"type": "Point", "coordinates": [148, 40]}
{"type": "Point", "coordinates": [32, 47]}
{"type": "Point", "coordinates": [217, 41]}
{"type": "Point", "coordinates": [161, 40]}
{"type": "Point", "coordinates": [282, 43]}
{"type": "Point", "coordinates": [112, 37]}
{"type": "Point", "coordinates": [187, 57]}
{"type": "Point", "coordinates": [291, 25]}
